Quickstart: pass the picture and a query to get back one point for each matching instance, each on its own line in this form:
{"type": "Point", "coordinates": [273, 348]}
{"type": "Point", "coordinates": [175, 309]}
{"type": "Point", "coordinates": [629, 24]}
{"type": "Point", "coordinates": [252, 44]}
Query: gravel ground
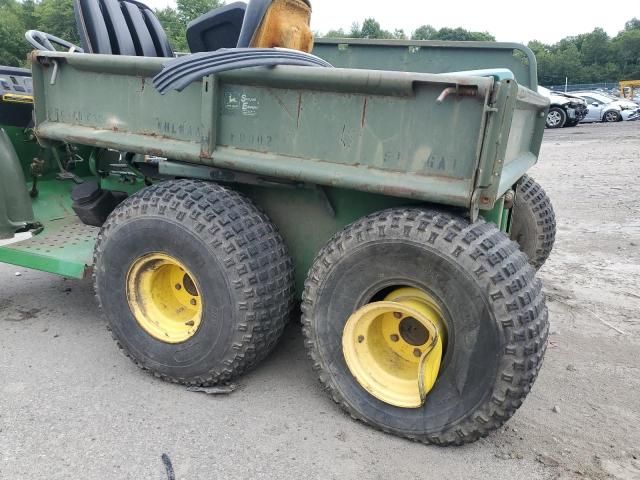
{"type": "Point", "coordinates": [72, 406]}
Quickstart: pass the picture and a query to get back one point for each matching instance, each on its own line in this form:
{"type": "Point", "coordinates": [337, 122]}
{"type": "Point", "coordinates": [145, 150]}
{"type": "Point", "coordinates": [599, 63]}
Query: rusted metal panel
{"type": "Point", "coordinates": [437, 138]}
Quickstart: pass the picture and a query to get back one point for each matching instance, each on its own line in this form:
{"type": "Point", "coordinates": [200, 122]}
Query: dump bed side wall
{"type": "Point", "coordinates": [382, 132]}
{"type": "Point", "coordinates": [391, 133]}
{"type": "Point", "coordinates": [430, 56]}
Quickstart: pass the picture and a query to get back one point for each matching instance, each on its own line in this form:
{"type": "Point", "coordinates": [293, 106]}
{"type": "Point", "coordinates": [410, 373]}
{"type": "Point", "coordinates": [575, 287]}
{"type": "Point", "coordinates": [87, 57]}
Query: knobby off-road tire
{"type": "Point", "coordinates": [492, 305]}
{"type": "Point", "coordinates": [241, 264]}
{"type": "Point", "coordinates": [534, 221]}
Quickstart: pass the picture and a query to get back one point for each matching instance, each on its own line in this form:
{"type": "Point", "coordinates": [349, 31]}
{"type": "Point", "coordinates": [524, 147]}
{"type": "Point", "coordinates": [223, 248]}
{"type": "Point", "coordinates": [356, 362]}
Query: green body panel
{"type": "Point", "coordinates": [374, 131]}
{"type": "Point", "coordinates": [306, 217]}
{"type": "Point", "coordinates": [430, 56]}
{"type": "Point", "coordinates": [15, 208]}
{"type": "Point", "coordinates": [315, 148]}
{"type": "Point", "coordinates": [62, 245]}
{"type": "Point", "coordinates": [65, 247]}
{"type": "Point", "coordinates": [25, 145]}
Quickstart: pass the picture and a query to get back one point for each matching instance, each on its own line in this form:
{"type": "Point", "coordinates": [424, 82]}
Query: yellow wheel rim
{"type": "Point", "coordinates": [394, 348]}
{"type": "Point", "coordinates": [164, 297]}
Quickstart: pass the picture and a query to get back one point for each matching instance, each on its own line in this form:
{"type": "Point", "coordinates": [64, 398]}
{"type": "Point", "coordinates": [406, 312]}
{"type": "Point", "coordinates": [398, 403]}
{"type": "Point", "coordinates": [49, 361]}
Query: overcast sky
{"type": "Point", "coordinates": [512, 21]}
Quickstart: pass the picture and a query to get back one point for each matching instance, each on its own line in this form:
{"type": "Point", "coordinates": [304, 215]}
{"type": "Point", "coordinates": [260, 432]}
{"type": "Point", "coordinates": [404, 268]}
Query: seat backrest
{"type": "Point", "coordinates": [219, 28]}
{"type": "Point", "coordinates": [120, 27]}
{"type": "Point", "coordinates": [277, 23]}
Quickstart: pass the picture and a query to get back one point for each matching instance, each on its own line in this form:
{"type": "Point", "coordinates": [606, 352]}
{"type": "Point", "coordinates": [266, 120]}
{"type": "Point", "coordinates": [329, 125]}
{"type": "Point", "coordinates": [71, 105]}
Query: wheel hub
{"type": "Point", "coordinates": [394, 348]}
{"type": "Point", "coordinates": [554, 118]}
{"type": "Point", "coordinates": [164, 298]}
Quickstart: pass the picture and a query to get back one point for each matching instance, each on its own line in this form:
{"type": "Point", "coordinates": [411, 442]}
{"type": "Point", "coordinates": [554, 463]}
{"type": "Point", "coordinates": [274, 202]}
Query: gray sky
{"type": "Point", "coordinates": [512, 21]}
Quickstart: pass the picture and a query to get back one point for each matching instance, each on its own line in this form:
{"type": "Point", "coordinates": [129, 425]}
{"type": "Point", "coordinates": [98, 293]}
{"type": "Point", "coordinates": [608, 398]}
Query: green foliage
{"type": "Point", "coordinates": [56, 17]}
{"type": "Point", "coordinates": [175, 20]}
{"type": "Point", "coordinates": [427, 32]}
{"type": "Point", "coordinates": [13, 47]}
{"type": "Point", "coordinates": [370, 29]}
{"type": "Point", "coordinates": [339, 33]}
{"type": "Point", "coordinates": [52, 16]}
{"type": "Point", "coordinates": [589, 57]}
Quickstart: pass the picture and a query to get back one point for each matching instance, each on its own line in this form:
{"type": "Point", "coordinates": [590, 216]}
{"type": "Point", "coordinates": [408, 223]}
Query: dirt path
{"type": "Point", "coordinates": [592, 369]}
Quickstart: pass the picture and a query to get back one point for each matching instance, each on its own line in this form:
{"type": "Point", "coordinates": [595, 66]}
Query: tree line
{"type": "Point", "coordinates": [586, 58]}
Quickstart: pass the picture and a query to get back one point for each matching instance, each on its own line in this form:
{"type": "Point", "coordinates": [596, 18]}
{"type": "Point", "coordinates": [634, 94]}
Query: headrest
{"type": "Point", "coordinates": [219, 28]}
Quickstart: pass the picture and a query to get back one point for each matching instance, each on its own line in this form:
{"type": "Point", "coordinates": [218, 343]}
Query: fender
{"type": "Point", "coordinates": [16, 211]}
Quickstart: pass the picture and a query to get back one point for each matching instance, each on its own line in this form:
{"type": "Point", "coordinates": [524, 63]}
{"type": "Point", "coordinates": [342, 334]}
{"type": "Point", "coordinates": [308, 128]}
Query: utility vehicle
{"type": "Point", "coordinates": [380, 187]}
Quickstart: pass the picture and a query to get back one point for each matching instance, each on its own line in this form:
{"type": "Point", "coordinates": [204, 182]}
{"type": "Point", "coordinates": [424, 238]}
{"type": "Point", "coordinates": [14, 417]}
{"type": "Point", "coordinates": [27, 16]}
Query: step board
{"type": "Point", "coordinates": [64, 247]}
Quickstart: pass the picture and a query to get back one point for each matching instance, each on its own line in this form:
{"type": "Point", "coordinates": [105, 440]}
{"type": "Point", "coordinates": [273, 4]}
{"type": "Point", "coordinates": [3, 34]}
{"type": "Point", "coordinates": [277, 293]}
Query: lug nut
{"type": "Point", "coordinates": [417, 352]}
{"type": "Point", "coordinates": [193, 301]}
{"type": "Point", "coordinates": [397, 314]}
{"type": "Point", "coordinates": [395, 338]}
{"type": "Point", "coordinates": [360, 338]}
{"type": "Point", "coordinates": [190, 323]}
{"type": "Point", "coordinates": [178, 286]}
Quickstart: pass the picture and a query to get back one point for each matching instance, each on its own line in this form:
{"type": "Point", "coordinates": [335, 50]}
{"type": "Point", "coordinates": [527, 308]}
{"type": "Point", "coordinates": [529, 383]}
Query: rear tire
{"type": "Point", "coordinates": [556, 118]}
{"type": "Point", "coordinates": [242, 281]}
{"type": "Point", "coordinates": [534, 221]}
{"type": "Point", "coordinates": [492, 305]}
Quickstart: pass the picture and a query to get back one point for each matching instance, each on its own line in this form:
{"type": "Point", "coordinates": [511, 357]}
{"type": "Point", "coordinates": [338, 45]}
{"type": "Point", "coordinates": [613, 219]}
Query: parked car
{"type": "Point", "coordinates": [565, 110]}
{"type": "Point", "coordinates": [607, 108]}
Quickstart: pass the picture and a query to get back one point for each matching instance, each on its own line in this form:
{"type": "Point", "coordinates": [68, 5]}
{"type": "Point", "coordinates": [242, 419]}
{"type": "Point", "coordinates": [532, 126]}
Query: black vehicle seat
{"type": "Point", "coordinates": [277, 23]}
{"type": "Point", "coordinates": [219, 28]}
{"type": "Point", "coordinates": [120, 27]}
{"type": "Point", "coordinates": [128, 27]}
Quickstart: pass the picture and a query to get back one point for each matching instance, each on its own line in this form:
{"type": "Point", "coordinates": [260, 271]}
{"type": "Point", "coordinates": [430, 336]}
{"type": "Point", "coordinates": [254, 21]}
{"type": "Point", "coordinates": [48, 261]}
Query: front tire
{"type": "Point", "coordinates": [195, 281]}
{"type": "Point", "coordinates": [556, 118]}
{"type": "Point", "coordinates": [492, 306]}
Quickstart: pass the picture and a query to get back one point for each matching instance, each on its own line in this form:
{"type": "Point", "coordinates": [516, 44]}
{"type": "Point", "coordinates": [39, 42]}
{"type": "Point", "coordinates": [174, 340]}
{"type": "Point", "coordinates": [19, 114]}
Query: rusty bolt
{"type": "Point", "coordinates": [193, 301]}
{"type": "Point", "coordinates": [397, 314]}
{"type": "Point", "coordinates": [417, 352]}
{"type": "Point", "coordinates": [178, 286]}
{"type": "Point", "coordinates": [360, 338]}
{"type": "Point", "coordinates": [395, 338]}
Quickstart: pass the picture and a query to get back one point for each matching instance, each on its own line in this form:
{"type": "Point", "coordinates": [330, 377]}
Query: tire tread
{"type": "Point", "coordinates": [497, 265]}
{"type": "Point", "coordinates": [251, 250]}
